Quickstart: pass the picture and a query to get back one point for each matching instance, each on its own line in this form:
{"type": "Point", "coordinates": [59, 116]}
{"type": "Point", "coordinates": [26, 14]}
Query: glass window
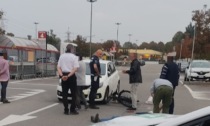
{"type": "Point", "coordinates": [200, 65]}
{"type": "Point", "coordinates": [103, 69]}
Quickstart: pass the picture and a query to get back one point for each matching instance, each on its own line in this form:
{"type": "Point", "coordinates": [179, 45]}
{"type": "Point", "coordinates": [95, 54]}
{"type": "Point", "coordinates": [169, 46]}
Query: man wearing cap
{"type": "Point", "coordinates": [95, 77]}
{"type": "Point", "coordinates": [170, 72]}
{"type": "Point", "coordinates": [67, 66]}
{"type": "Point", "coordinates": [4, 77]}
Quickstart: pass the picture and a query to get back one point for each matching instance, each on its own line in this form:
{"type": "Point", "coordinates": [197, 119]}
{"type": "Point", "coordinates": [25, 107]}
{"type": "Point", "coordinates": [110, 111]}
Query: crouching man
{"type": "Point", "coordinates": [161, 90]}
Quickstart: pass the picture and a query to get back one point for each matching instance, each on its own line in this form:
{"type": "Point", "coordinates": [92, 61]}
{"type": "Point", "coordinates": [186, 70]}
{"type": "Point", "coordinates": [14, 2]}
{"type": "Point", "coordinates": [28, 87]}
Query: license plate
{"type": "Point", "coordinates": [201, 76]}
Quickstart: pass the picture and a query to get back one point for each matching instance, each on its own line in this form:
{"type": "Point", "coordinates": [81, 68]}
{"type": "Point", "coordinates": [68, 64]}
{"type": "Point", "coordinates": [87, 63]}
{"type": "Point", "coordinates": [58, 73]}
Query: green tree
{"type": "Point", "coordinates": [190, 30]}
{"type": "Point", "coordinates": [53, 40]}
{"type": "Point", "coordinates": [161, 47]}
{"type": "Point", "coordinates": [202, 30]}
{"type": "Point", "coordinates": [128, 45]}
{"type": "Point", "coordinates": [144, 45]}
{"type": "Point", "coordinates": [10, 34]}
{"type": "Point", "coordinates": [83, 48]}
{"type": "Point", "coordinates": [178, 37]}
{"type": "Point", "coordinates": [169, 47]}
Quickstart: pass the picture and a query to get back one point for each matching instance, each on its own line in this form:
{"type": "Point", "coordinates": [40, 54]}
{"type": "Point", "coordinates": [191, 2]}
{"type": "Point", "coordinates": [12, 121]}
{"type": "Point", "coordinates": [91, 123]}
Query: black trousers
{"type": "Point", "coordinates": [71, 84]}
{"type": "Point", "coordinates": [4, 89]}
{"type": "Point", "coordinates": [171, 107]}
{"type": "Point", "coordinates": [93, 90]}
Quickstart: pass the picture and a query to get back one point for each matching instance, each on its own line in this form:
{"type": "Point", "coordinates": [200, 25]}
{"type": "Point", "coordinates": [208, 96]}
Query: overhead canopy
{"type": "Point", "coordinates": [14, 42]}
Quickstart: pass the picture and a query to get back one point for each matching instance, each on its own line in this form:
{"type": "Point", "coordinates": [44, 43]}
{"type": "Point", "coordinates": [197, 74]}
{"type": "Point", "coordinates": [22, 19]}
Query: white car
{"type": "Point", "coordinates": [109, 81]}
{"type": "Point", "coordinates": [199, 117]}
{"type": "Point", "coordinates": [198, 70]}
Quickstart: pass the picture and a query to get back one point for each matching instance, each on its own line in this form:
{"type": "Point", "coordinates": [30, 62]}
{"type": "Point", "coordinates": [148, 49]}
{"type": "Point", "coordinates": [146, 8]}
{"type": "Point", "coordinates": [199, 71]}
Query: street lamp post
{"type": "Point", "coordinates": [91, 16]}
{"type": "Point", "coordinates": [36, 23]}
{"type": "Point", "coordinates": [194, 36]}
{"type": "Point", "coordinates": [180, 56]}
{"type": "Point", "coordinates": [117, 29]}
{"type": "Point", "coordinates": [129, 35]}
{"type": "Point", "coordinates": [136, 46]}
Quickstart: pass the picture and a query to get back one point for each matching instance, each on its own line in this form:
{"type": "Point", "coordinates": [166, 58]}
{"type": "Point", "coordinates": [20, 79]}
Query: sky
{"type": "Point", "coordinates": [145, 20]}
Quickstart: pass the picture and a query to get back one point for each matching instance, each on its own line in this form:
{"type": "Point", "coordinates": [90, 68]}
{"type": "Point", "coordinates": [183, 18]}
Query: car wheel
{"type": "Point", "coordinates": [118, 89]}
{"type": "Point", "coordinates": [59, 99]}
{"type": "Point", "coordinates": [106, 96]}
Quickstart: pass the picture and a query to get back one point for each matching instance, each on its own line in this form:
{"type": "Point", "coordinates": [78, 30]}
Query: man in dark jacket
{"type": "Point", "coordinates": [135, 78]}
{"type": "Point", "coordinates": [170, 72]}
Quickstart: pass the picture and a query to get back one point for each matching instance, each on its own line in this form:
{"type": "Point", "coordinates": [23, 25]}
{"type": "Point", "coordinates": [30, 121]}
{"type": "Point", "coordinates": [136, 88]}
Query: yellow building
{"type": "Point", "coordinates": [146, 54]}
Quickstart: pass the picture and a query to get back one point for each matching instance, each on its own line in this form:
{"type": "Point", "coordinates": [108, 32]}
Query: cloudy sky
{"type": "Point", "coordinates": [146, 20]}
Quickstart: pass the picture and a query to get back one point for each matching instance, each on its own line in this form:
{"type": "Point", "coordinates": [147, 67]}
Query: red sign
{"type": "Point", "coordinates": [42, 35]}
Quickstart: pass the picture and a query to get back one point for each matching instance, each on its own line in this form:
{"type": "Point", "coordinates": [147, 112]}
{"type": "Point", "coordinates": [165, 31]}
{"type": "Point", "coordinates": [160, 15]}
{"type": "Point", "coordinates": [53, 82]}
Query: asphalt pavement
{"type": "Point", "coordinates": [34, 101]}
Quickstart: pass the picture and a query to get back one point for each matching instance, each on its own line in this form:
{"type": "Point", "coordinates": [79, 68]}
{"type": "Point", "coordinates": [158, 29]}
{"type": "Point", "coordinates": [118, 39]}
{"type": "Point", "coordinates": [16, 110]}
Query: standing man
{"type": "Point", "coordinates": [95, 77]}
{"type": "Point", "coordinates": [161, 90]}
{"type": "Point", "coordinates": [67, 66]}
{"type": "Point", "coordinates": [135, 78]}
{"type": "Point", "coordinates": [4, 77]}
{"type": "Point", "coordinates": [170, 72]}
{"type": "Point", "coordinates": [81, 83]}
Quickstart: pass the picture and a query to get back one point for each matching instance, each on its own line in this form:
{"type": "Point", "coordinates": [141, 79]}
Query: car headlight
{"type": "Point", "coordinates": [101, 84]}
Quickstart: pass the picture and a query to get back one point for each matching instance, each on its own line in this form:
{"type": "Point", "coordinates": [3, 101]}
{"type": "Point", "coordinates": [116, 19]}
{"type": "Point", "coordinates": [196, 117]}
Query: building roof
{"type": "Point", "coordinates": [15, 42]}
{"type": "Point", "coordinates": [145, 51]}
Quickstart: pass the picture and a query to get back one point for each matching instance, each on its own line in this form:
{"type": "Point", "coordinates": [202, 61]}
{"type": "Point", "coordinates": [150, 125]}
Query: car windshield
{"type": "Point", "coordinates": [102, 65]}
{"type": "Point", "coordinates": [200, 65]}
{"type": "Point", "coordinates": [184, 63]}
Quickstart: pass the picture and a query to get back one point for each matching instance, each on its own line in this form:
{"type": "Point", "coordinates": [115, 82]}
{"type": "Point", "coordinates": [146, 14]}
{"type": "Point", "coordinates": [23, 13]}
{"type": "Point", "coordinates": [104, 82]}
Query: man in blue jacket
{"type": "Point", "coordinates": [170, 72]}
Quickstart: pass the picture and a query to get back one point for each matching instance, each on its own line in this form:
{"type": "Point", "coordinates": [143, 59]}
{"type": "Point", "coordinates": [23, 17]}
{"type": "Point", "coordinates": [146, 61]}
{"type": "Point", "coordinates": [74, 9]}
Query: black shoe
{"type": "Point", "coordinates": [74, 112]}
{"type": "Point", "coordinates": [131, 108]}
{"type": "Point", "coordinates": [86, 106]}
{"type": "Point", "coordinates": [66, 112]}
{"type": "Point", "coordinates": [93, 107]}
{"type": "Point", "coordinates": [5, 101]}
{"type": "Point", "coordinates": [92, 119]}
{"type": "Point", "coordinates": [97, 118]}
{"type": "Point", "coordinates": [79, 107]}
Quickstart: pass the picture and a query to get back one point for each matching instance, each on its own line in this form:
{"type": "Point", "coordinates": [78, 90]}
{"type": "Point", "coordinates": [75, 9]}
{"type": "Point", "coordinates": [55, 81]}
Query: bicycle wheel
{"type": "Point", "coordinates": [124, 98]}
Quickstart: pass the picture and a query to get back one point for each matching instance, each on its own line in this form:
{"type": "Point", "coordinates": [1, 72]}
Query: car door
{"type": "Point", "coordinates": [110, 76]}
{"type": "Point", "coordinates": [115, 77]}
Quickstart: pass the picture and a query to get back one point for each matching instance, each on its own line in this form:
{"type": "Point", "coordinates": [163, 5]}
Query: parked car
{"type": "Point", "coordinates": [182, 65]}
{"type": "Point", "coordinates": [198, 70]}
{"type": "Point", "coordinates": [199, 117]}
{"type": "Point", "coordinates": [109, 82]}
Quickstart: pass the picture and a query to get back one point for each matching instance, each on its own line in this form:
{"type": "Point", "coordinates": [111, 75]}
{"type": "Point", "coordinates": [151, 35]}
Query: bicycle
{"type": "Point", "coordinates": [123, 97]}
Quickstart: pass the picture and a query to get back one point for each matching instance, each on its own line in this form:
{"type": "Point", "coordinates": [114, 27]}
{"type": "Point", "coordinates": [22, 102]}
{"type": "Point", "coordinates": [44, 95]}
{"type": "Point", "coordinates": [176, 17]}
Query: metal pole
{"type": "Point", "coordinates": [180, 56]}
{"type": "Point", "coordinates": [36, 23]}
{"type": "Point", "coordinates": [118, 29]}
{"type": "Point", "coordinates": [91, 16]}
{"type": "Point", "coordinates": [192, 57]}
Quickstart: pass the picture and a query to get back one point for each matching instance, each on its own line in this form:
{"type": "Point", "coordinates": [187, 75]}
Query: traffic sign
{"type": "Point", "coordinates": [42, 35]}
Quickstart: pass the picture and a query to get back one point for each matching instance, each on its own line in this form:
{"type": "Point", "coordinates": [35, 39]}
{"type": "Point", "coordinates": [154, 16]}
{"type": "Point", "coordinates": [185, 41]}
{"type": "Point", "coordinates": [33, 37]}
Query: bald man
{"type": "Point", "coordinates": [135, 78]}
{"type": "Point", "coordinates": [95, 76]}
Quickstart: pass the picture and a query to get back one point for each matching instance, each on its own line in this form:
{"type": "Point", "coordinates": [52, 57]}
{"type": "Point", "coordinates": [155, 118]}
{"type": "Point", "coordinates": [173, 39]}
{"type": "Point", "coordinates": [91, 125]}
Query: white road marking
{"type": "Point", "coordinates": [28, 93]}
{"type": "Point", "coordinates": [17, 118]}
{"type": "Point", "coordinates": [39, 110]}
{"type": "Point", "coordinates": [200, 95]}
{"type": "Point", "coordinates": [53, 85]}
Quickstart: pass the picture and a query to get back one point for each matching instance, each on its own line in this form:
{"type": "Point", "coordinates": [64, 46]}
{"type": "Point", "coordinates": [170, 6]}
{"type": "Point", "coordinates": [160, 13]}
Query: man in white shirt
{"type": "Point", "coordinates": [161, 89]}
{"type": "Point", "coordinates": [67, 66]}
{"type": "Point", "coordinates": [81, 83]}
